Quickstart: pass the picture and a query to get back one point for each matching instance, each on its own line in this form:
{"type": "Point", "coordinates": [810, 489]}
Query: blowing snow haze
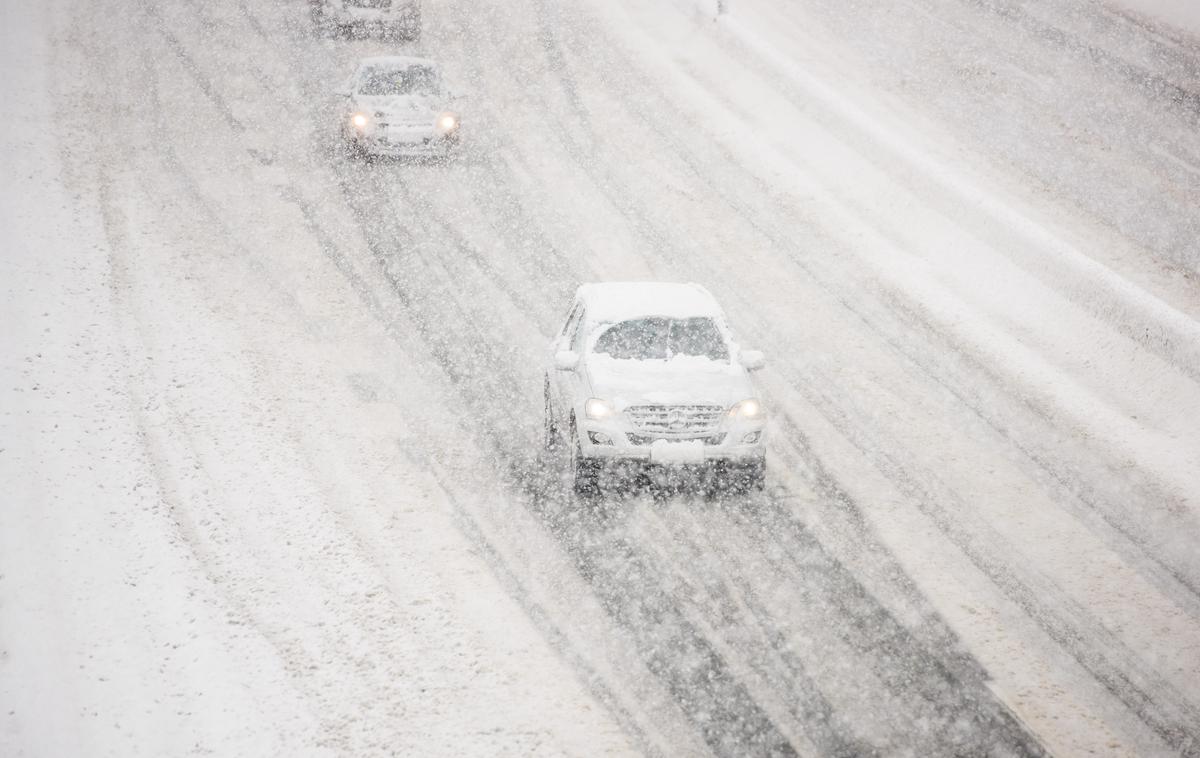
{"type": "Point", "coordinates": [600, 378]}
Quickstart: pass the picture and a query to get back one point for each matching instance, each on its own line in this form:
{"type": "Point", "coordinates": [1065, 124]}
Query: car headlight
{"type": "Point", "coordinates": [751, 409]}
{"type": "Point", "coordinates": [447, 122]}
{"type": "Point", "coordinates": [360, 120]}
{"type": "Point", "coordinates": [597, 409]}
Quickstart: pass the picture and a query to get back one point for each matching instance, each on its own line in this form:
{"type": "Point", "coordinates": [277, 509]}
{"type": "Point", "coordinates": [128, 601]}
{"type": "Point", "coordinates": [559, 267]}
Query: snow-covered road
{"type": "Point", "coordinates": [270, 420]}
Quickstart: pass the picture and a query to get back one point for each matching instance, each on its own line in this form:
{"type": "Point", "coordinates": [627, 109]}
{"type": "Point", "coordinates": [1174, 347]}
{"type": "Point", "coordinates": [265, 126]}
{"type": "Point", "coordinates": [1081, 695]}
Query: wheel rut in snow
{"type": "Point", "coordinates": [645, 609]}
{"type": "Point", "coordinates": [450, 331]}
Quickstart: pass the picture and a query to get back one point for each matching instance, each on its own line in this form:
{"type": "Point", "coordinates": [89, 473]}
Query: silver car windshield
{"type": "Point", "coordinates": [662, 338]}
{"type": "Point", "coordinates": [413, 80]}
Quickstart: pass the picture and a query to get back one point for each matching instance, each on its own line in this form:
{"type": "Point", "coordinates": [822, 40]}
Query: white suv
{"type": "Point", "coordinates": [398, 106]}
{"type": "Point", "coordinates": [648, 374]}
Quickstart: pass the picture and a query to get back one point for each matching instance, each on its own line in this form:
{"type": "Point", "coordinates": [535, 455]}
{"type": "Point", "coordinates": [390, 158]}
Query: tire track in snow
{"type": "Point", "coordinates": [765, 531]}
{"type": "Point", "coordinates": [1153, 84]}
{"type": "Point", "coordinates": [196, 539]}
{"type": "Point", "coordinates": [368, 194]}
{"type": "Point", "coordinates": [1167, 718]}
{"type": "Point", "coordinates": [724, 713]}
{"type": "Point", "coordinates": [576, 149]}
{"type": "Point", "coordinates": [203, 535]}
{"type": "Point", "coordinates": [202, 82]}
{"type": "Point", "coordinates": [1093, 287]}
{"type": "Point", "coordinates": [1173, 580]}
{"type": "Point", "coordinates": [291, 656]}
{"type": "Point", "coordinates": [610, 185]}
{"type": "Point", "coordinates": [1119, 669]}
{"type": "Point", "coordinates": [735, 721]}
{"type": "Point", "coordinates": [1128, 680]}
{"type": "Point", "coordinates": [163, 450]}
{"type": "Point", "coordinates": [470, 527]}
{"type": "Point", "coordinates": [1120, 531]}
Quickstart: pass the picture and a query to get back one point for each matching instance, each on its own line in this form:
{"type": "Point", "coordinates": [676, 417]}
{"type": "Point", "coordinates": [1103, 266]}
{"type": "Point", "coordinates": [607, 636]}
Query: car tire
{"type": "Point", "coordinates": [752, 477]}
{"type": "Point", "coordinates": [551, 438]}
{"type": "Point", "coordinates": [715, 482]}
{"type": "Point", "coordinates": [412, 31]}
{"type": "Point", "coordinates": [316, 14]}
{"type": "Point", "coordinates": [357, 152]}
{"type": "Point", "coordinates": [585, 472]}
{"type": "Point", "coordinates": [737, 478]}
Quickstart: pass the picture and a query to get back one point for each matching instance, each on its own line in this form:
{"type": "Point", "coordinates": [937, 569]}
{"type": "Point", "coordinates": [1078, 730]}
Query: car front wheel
{"type": "Point", "coordinates": [751, 477]}
{"type": "Point", "coordinates": [737, 478]}
{"type": "Point", "coordinates": [584, 471]}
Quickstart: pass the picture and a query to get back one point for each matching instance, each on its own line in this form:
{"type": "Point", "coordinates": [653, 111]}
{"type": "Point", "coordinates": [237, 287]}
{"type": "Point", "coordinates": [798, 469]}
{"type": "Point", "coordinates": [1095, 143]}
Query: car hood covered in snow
{"type": "Point", "coordinates": [681, 380]}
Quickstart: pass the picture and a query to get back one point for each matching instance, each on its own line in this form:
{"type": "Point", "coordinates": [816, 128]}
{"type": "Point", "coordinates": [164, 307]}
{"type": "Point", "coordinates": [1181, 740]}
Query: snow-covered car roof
{"type": "Point", "coordinates": [619, 301]}
{"type": "Point", "coordinates": [397, 61]}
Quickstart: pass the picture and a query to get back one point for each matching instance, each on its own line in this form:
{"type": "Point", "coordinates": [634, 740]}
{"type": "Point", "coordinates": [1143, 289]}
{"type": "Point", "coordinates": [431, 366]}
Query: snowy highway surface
{"type": "Point", "coordinates": [271, 416]}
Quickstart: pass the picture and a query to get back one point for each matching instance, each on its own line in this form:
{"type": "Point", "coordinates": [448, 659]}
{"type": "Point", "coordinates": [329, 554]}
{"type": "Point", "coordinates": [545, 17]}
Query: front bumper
{"type": "Point", "coordinates": [431, 144]}
{"type": "Point", "coordinates": [727, 443]}
{"type": "Point", "coordinates": [398, 16]}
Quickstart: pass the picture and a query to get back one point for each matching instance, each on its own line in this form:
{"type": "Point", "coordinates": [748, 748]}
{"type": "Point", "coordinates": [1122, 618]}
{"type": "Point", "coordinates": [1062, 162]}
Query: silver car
{"type": "Point", "coordinates": [399, 105]}
{"type": "Point", "coordinates": [647, 376]}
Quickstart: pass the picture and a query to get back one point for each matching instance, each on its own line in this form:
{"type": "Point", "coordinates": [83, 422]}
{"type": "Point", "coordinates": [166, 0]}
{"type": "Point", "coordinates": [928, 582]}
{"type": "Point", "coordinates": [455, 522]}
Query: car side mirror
{"type": "Point", "coordinates": [566, 360]}
{"type": "Point", "coordinates": [752, 360]}
{"type": "Point", "coordinates": [342, 92]}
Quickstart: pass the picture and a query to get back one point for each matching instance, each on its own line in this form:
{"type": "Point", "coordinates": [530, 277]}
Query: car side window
{"type": "Point", "coordinates": [567, 337]}
{"type": "Point", "coordinates": [579, 334]}
{"type": "Point", "coordinates": [570, 320]}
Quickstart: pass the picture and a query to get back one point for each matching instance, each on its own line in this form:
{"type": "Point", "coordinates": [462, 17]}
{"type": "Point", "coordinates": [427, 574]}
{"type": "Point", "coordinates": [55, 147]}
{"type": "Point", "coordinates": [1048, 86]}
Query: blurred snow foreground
{"type": "Point", "coordinates": [271, 436]}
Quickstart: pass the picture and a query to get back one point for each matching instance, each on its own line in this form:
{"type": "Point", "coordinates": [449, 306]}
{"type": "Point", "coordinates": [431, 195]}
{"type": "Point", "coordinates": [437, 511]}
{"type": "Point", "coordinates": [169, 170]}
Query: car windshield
{"type": "Point", "coordinates": [662, 338]}
{"type": "Point", "coordinates": [389, 80]}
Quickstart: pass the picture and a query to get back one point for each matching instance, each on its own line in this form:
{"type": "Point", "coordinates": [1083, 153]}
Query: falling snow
{"type": "Point", "coordinates": [287, 292]}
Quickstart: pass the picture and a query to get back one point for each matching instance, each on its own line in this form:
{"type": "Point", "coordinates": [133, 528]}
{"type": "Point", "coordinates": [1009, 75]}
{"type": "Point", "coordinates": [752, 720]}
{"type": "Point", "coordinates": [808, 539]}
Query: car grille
{"type": "Point", "coordinates": [648, 439]}
{"type": "Point", "coordinates": [675, 419]}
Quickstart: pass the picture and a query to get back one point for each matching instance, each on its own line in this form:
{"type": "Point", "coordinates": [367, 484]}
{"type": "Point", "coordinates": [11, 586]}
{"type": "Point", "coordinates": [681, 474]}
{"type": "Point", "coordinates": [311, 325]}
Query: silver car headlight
{"type": "Point", "coordinates": [447, 122]}
{"type": "Point", "coordinates": [360, 121]}
{"type": "Point", "coordinates": [597, 409]}
{"type": "Point", "coordinates": [748, 409]}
